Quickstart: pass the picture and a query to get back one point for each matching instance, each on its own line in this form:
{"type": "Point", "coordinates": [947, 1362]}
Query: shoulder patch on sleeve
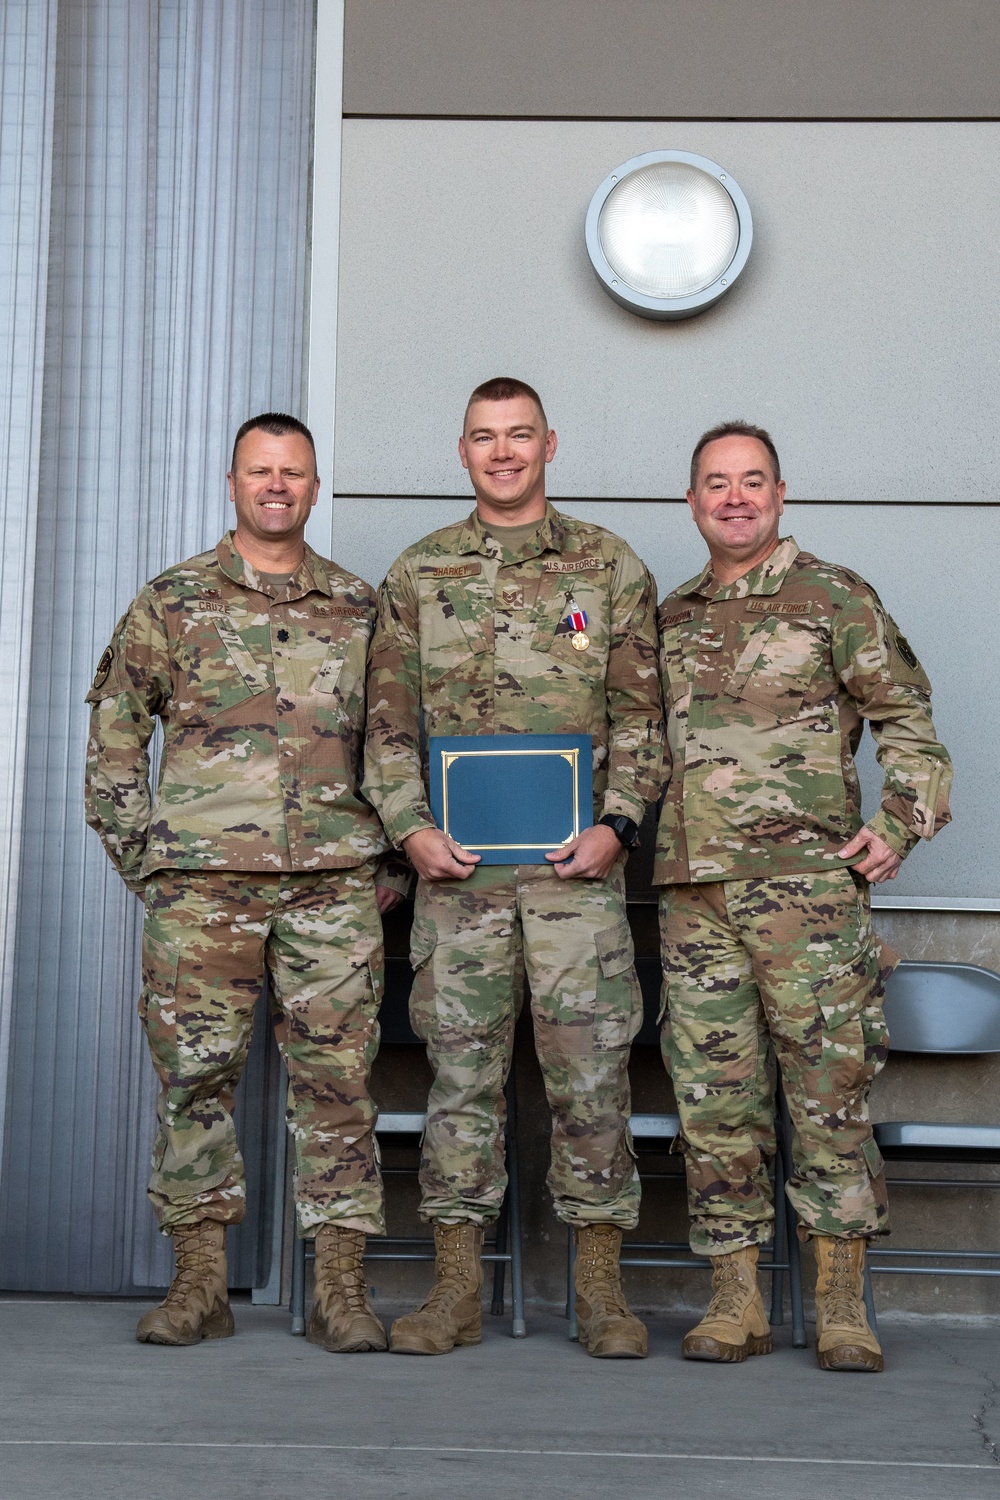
{"type": "Point", "coordinates": [104, 668]}
{"type": "Point", "coordinates": [906, 651]}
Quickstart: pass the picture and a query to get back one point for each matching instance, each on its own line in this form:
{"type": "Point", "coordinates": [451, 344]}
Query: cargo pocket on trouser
{"type": "Point", "coordinates": [618, 1008]}
{"type": "Point", "coordinates": [850, 1010]}
{"type": "Point", "coordinates": [160, 964]}
{"type": "Point", "coordinates": [423, 941]}
{"type": "Point", "coordinates": [854, 1042]}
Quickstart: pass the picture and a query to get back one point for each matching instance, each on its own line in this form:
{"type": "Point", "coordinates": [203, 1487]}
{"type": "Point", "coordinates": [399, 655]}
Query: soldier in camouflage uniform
{"type": "Point", "coordinates": [474, 637]}
{"type": "Point", "coordinates": [772, 662]}
{"type": "Point", "coordinates": [256, 853]}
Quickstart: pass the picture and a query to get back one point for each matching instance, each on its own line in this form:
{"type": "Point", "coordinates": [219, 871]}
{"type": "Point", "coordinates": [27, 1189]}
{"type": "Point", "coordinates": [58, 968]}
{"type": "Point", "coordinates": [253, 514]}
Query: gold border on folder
{"type": "Point", "coordinates": [572, 756]}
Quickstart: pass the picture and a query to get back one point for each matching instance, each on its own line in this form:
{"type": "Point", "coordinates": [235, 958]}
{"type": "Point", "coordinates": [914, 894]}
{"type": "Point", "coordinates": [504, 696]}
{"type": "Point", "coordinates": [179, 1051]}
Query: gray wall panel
{"type": "Point", "coordinates": [728, 59]}
{"type": "Point", "coordinates": [176, 305]}
{"type": "Point", "coordinates": [27, 69]}
{"type": "Point", "coordinates": [864, 330]}
{"type": "Point", "coordinates": [920, 564]}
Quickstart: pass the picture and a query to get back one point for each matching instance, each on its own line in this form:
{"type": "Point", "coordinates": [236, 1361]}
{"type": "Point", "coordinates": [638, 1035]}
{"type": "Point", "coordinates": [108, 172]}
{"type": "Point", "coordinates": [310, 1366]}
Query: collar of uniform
{"type": "Point", "coordinates": [551, 535]}
{"type": "Point", "coordinates": [310, 576]}
{"type": "Point", "coordinates": [766, 578]}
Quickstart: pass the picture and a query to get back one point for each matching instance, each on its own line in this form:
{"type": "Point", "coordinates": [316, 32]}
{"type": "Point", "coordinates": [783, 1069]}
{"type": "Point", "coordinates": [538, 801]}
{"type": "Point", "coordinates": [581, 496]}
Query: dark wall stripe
{"type": "Point", "coordinates": [673, 59]}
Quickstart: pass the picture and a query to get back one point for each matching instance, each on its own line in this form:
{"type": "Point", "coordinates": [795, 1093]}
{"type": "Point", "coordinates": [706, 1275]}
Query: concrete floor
{"type": "Point", "coordinates": [90, 1413]}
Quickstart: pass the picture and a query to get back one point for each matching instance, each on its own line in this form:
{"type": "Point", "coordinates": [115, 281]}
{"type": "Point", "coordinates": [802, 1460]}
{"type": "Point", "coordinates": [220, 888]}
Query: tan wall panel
{"type": "Point", "coordinates": [715, 59]}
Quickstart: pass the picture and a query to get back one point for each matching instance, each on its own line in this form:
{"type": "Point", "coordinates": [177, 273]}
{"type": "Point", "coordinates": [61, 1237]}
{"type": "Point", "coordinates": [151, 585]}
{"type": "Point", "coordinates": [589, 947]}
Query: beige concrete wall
{"type": "Point", "coordinates": [863, 330]}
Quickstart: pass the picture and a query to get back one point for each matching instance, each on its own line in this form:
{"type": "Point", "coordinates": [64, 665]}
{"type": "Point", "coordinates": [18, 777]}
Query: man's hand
{"type": "Point", "coordinates": [387, 898]}
{"type": "Point", "coordinates": [880, 862]}
{"type": "Point", "coordinates": [589, 856]}
{"type": "Point", "coordinates": [435, 856]}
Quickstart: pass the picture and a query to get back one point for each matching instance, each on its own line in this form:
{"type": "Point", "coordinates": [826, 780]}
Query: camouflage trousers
{"type": "Point", "coordinates": [207, 940]}
{"type": "Point", "coordinates": [758, 970]}
{"type": "Point", "coordinates": [473, 943]}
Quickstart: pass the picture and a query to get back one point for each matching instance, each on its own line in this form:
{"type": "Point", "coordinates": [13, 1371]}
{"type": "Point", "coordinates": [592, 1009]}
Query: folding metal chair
{"type": "Point", "coordinates": [950, 1010]}
{"type": "Point", "coordinates": [503, 1249]}
{"type": "Point", "coordinates": [654, 1135]}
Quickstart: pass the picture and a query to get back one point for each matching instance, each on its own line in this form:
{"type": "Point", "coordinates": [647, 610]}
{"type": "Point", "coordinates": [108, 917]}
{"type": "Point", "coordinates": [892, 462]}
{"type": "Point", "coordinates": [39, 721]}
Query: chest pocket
{"type": "Point", "coordinates": [456, 623]}
{"type": "Point", "coordinates": [676, 663]}
{"type": "Point", "coordinates": [329, 676]}
{"type": "Point", "coordinates": [253, 675]}
{"type": "Point", "coordinates": [777, 666]}
{"type": "Point", "coordinates": [466, 608]}
{"type": "Point", "coordinates": [554, 634]}
{"type": "Point", "coordinates": [217, 670]}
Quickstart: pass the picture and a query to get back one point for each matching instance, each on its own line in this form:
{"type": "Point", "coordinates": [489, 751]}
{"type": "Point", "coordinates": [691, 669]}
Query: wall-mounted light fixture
{"type": "Point", "coordinates": [668, 233]}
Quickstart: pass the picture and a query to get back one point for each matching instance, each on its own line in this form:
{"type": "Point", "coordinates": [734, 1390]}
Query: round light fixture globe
{"type": "Point", "coordinates": [668, 233]}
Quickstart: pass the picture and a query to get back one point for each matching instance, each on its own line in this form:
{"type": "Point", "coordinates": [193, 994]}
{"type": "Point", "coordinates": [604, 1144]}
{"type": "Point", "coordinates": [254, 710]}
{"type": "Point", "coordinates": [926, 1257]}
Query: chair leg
{"type": "Point", "coordinates": [779, 1244]}
{"type": "Point", "coordinates": [500, 1266]}
{"type": "Point", "coordinates": [297, 1306]}
{"type": "Point", "coordinates": [573, 1331]}
{"type": "Point", "coordinates": [870, 1300]}
{"type": "Point", "coordinates": [791, 1220]}
{"type": "Point", "coordinates": [518, 1328]}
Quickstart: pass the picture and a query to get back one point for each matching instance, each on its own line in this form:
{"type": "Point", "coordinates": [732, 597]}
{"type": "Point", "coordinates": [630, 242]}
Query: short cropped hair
{"type": "Point", "coordinates": [735, 429]}
{"type": "Point", "coordinates": [506, 388]}
{"type": "Point", "coordinates": [278, 424]}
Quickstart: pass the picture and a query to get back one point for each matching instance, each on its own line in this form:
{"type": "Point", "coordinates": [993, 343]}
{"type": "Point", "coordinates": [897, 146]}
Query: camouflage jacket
{"type": "Point", "coordinates": [479, 644]}
{"type": "Point", "coordinates": [768, 682]}
{"type": "Point", "coordinates": [262, 702]}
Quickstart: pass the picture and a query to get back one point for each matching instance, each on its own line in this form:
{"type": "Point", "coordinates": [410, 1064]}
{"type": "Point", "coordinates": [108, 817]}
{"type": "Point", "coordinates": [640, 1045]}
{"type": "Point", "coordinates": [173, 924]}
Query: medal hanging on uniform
{"type": "Point", "coordinates": [577, 621]}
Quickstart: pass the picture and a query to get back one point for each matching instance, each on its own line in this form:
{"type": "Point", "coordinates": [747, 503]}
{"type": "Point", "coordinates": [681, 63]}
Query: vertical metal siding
{"type": "Point", "coordinates": [176, 306]}
{"type": "Point", "coordinates": [27, 61]}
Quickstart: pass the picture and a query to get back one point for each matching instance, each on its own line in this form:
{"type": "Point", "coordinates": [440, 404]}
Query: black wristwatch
{"type": "Point", "coordinates": [627, 831]}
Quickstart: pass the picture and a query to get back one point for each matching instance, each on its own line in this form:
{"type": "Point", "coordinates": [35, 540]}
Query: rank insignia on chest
{"type": "Point", "coordinates": [512, 595]}
{"type": "Point", "coordinates": [577, 621]}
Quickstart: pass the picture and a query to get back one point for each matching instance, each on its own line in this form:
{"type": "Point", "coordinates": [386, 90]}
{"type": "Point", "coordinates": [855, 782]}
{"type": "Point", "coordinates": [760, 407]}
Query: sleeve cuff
{"type": "Point", "coordinates": [408, 822]}
{"type": "Point", "coordinates": [395, 874]}
{"type": "Point", "coordinates": [893, 832]}
{"type": "Point", "coordinates": [618, 805]}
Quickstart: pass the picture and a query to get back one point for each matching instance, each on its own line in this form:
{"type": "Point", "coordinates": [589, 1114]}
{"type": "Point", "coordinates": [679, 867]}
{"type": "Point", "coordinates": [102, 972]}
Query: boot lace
{"type": "Point", "coordinates": [599, 1271]}
{"type": "Point", "coordinates": [843, 1306]}
{"type": "Point", "coordinates": [194, 1265]}
{"type": "Point", "coordinates": [341, 1261]}
{"type": "Point", "coordinates": [599, 1262]}
{"type": "Point", "coordinates": [729, 1291]}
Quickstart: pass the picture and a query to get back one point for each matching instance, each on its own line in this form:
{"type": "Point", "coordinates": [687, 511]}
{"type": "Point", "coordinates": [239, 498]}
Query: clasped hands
{"type": "Point", "coordinates": [436, 856]}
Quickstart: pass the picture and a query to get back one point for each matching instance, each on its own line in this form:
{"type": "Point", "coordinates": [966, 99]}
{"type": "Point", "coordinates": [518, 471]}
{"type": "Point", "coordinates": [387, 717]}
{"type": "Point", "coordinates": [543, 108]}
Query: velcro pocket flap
{"type": "Point", "coordinates": [423, 941]}
{"type": "Point", "coordinates": [328, 676]}
{"type": "Point", "coordinates": [615, 949]}
{"type": "Point", "coordinates": [253, 675]}
{"type": "Point", "coordinates": [844, 990]}
{"type": "Point", "coordinates": [160, 963]}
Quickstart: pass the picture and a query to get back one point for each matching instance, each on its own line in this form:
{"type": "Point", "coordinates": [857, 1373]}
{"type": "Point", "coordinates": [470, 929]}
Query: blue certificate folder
{"type": "Point", "coordinates": [512, 798]}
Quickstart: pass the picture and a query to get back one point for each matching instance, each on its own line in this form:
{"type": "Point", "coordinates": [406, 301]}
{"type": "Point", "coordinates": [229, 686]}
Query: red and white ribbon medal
{"type": "Point", "coordinates": [577, 621]}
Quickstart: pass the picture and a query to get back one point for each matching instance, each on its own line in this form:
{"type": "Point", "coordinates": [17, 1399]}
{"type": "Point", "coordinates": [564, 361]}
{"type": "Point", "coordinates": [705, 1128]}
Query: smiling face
{"type": "Point", "coordinates": [737, 505]}
{"type": "Point", "coordinates": [505, 447]}
{"type": "Point", "coordinates": [273, 485]}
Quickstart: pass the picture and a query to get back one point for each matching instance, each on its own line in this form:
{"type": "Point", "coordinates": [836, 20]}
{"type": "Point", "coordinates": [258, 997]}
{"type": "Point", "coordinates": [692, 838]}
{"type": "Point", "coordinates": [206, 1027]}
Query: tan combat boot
{"type": "Point", "coordinates": [608, 1330]}
{"type": "Point", "coordinates": [342, 1320]}
{"type": "Point", "coordinates": [735, 1325]}
{"type": "Point", "coordinates": [452, 1314]}
{"type": "Point", "coordinates": [197, 1304]}
{"type": "Point", "coordinates": [844, 1340]}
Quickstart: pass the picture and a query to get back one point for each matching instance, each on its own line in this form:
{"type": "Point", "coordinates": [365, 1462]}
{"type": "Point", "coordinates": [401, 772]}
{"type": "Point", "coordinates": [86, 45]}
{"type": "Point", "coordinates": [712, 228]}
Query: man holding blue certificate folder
{"type": "Point", "coordinates": [524, 643]}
